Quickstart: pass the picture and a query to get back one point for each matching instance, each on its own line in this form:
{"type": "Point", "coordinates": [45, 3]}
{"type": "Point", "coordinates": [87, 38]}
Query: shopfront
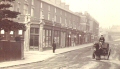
{"type": "Point", "coordinates": [34, 37]}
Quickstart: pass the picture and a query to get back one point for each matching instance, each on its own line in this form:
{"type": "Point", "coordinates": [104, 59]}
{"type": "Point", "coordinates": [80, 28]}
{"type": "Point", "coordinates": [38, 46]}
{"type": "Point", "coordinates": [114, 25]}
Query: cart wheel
{"type": "Point", "coordinates": [109, 54]}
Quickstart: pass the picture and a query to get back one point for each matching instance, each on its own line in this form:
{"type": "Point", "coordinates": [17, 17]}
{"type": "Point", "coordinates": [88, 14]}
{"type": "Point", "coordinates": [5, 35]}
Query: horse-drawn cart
{"type": "Point", "coordinates": [101, 49]}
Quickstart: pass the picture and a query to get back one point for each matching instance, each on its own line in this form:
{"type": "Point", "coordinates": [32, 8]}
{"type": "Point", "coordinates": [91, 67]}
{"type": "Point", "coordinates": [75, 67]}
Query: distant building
{"type": "Point", "coordinates": [114, 31]}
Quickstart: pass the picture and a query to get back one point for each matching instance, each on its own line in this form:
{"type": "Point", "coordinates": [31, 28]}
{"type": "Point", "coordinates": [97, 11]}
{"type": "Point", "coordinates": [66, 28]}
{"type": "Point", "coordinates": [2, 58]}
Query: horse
{"type": "Point", "coordinates": [101, 49]}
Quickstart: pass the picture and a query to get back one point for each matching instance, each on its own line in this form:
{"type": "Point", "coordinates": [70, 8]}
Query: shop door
{"type": "Point", "coordinates": [34, 39]}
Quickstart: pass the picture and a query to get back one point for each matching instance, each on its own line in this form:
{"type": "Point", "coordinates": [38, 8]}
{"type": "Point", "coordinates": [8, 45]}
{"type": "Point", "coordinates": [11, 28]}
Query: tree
{"type": "Point", "coordinates": [6, 17]}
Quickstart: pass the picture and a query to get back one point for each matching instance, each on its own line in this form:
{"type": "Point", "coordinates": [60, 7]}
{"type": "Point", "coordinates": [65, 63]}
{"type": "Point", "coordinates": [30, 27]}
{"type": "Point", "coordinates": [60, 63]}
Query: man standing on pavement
{"type": "Point", "coordinates": [54, 46]}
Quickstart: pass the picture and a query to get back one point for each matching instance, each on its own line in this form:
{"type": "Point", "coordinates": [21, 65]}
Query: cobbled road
{"type": "Point", "coordinates": [77, 59]}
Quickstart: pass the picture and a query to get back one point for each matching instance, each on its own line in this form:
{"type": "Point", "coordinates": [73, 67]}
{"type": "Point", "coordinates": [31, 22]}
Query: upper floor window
{"type": "Point", "coordinates": [25, 9]}
{"type": "Point", "coordinates": [55, 18]}
{"type": "Point", "coordinates": [65, 22]}
{"type": "Point", "coordinates": [60, 20]}
{"type": "Point", "coordinates": [32, 12]}
{"type": "Point", "coordinates": [48, 7]}
{"type": "Point", "coordinates": [65, 13]}
{"type": "Point", "coordinates": [48, 16]}
{"type": "Point", "coordinates": [55, 10]}
{"type": "Point", "coordinates": [32, 2]}
{"type": "Point", "coordinates": [26, 0]}
{"type": "Point", "coordinates": [69, 16]}
{"type": "Point", "coordinates": [41, 14]}
{"type": "Point", "coordinates": [61, 12]}
{"type": "Point", "coordinates": [69, 23]}
{"type": "Point", "coordinates": [41, 5]}
{"type": "Point", "coordinates": [18, 7]}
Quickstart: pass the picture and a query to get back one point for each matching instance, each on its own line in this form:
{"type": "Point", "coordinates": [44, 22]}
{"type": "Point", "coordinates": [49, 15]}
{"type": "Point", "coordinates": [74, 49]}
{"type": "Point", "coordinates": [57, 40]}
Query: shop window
{"type": "Point", "coordinates": [34, 36]}
{"type": "Point", "coordinates": [48, 38]}
{"type": "Point", "coordinates": [36, 31]}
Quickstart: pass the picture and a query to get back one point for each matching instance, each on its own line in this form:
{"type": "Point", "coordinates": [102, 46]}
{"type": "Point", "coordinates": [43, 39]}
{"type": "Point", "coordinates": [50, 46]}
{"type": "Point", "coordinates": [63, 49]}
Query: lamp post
{"type": "Point", "coordinates": [53, 21]}
{"type": "Point", "coordinates": [79, 39]}
{"type": "Point", "coordinates": [69, 40]}
{"type": "Point", "coordinates": [85, 37]}
{"type": "Point", "coordinates": [74, 40]}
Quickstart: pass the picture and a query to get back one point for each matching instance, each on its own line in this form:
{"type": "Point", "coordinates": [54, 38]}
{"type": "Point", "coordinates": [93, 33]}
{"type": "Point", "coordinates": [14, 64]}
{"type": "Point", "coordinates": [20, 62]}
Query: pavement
{"type": "Point", "coordinates": [37, 56]}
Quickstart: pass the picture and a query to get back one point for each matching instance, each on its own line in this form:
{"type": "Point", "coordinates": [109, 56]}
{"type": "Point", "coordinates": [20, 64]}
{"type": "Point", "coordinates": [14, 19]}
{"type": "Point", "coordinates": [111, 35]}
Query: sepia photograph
{"type": "Point", "coordinates": [59, 34]}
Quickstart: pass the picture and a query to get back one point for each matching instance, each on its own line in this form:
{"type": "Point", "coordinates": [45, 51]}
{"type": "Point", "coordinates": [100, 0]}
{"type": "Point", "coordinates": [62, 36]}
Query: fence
{"type": "Point", "coordinates": [10, 51]}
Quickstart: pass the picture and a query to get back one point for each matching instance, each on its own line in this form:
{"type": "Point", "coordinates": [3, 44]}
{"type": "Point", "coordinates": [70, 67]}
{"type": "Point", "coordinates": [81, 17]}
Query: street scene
{"type": "Point", "coordinates": [59, 34]}
{"type": "Point", "coordinates": [77, 59]}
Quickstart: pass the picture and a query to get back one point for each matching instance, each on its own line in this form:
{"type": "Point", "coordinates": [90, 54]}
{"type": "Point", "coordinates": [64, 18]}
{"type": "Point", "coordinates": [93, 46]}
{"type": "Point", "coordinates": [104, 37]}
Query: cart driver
{"type": "Point", "coordinates": [102, 39]}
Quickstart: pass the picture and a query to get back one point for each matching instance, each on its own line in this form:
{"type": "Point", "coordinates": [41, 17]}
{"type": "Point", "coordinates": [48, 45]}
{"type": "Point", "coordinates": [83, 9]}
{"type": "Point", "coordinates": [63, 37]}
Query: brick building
{"type": "Point", "coordinates": [48, 20]}
{"type": "Point", "coordinates": [94, 29]}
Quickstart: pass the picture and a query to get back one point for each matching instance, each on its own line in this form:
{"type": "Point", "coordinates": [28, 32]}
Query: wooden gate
{"type": "Point", "coordinates": [10, 51]}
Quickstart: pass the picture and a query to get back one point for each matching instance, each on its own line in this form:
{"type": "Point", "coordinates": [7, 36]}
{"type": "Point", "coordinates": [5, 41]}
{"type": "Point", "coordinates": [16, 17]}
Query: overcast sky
{"type": "Point", "coordinates": [106, 12]}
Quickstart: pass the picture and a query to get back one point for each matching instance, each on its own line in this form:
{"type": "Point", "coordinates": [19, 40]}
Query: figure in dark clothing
{"type": "Point", "coordinates": [96, 48]}
{"type": "Point", "coordinates": [54, 46]}
{"type": "Point", "coordinates": [102, 39]}
{"type": "Point", "coordinates": [96, 51]}
{"type": "Point", "coordinates": [17, 38]}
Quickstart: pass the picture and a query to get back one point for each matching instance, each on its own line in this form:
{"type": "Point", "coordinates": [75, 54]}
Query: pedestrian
{"type": "Point", "coordinates": [54, 46]}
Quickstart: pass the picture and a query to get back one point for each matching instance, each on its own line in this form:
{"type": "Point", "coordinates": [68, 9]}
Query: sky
{"type": "Point", "coordinates": [106, 12]}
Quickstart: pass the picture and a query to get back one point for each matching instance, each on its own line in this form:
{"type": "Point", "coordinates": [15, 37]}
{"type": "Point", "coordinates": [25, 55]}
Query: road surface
{"type": "Point", "coordinates": [77, 59]}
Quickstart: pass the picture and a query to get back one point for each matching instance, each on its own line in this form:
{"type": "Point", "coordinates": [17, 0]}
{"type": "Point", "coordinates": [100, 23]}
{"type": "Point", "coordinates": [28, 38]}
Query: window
{"type": "Point", "coordinates": [20, 32]}
{"type": "Point", "coordinates": [41, 5]}
{"type": "Point", "coordinates": [48, 15]}
{"type": "Point", "coordinates": [25, 9]}
{"type": "Point", "coordinates": [18, 7]}
{"type": "Point", "coordinates": [48, 39]}
{"type": "Point", "coordinates": [55, 10]}
{"type": "Point", "coordinates": [34, 30]}
{"type": "Point", "coordinates": [34, 37]}
{"type": "Point", "coordinates": [32, 12]}
{"type": "Point", "coordinates": [65, 22]}
{"type": "Point", "coordinates": [2, 32]}
{"type": "Point", "coordinates": [55, 18]}
{"type": "Point", "coordinates": [60, 19]}
{"type": "Point", "coordinates": [32, 2]}
{"type": "Point", "coordinates": [11, 32]}
{"type": "Point", "coordinates": [65, 14]}
{"type": "Point", "coordinates": [61, 12]}
{"type": "Point", "coordinates": [48, 7]}
{"type": "Point", "coordinates": [41, 14]}
{"type": "Point", "coordinates": [69, 23]}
